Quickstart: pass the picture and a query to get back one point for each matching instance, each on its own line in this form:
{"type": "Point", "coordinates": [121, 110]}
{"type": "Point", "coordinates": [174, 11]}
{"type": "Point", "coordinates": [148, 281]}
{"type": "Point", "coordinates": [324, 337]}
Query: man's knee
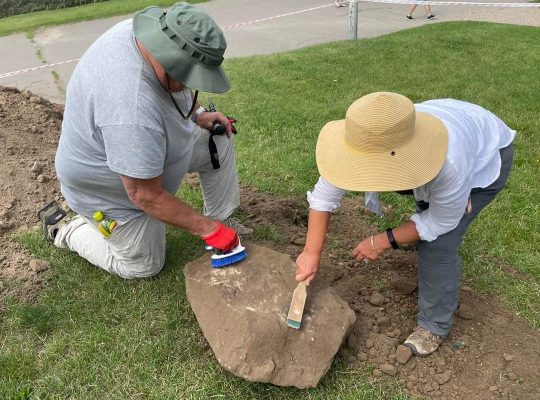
{"type": "Point", "coordinates": [141, 268]}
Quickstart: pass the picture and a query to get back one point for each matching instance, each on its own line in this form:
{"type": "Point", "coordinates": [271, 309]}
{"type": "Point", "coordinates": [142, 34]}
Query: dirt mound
{"type": "Point", "coordinates": [29, 132]}
{"type": "Point", "coordinates": [490, 354]}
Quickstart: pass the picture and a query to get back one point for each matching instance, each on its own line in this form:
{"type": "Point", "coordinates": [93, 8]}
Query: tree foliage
{"type": "Point", "coordinates": [15, 7]}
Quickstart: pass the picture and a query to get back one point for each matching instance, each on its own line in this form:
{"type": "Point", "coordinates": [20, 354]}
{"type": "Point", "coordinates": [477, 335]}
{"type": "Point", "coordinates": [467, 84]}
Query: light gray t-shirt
{"type": "Point", "coordinates": [119, 120]}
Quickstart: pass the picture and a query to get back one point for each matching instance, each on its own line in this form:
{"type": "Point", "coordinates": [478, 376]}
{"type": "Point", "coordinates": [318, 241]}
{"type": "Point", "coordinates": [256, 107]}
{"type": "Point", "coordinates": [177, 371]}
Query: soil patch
{"type": "Point", "coordinates": [29, 132]}
{"type": "Point", "coordinates": [491, 353]}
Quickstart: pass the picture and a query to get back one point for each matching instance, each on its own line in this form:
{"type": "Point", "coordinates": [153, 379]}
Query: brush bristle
{"type": "Point", "coordinates": [293, 324]}
{"type": "Point", "coordinates": [224, 261]}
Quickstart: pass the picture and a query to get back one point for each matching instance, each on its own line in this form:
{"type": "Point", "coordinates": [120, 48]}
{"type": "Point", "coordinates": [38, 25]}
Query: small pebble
{"type": "Point", "coordinates": [388, 369]}
{"type": "Point", "coordinates": [376, 299]}
{"type": "Point", "coordinates": [508, 357]}
{"type": "Point", "coordinates": [458, 345]}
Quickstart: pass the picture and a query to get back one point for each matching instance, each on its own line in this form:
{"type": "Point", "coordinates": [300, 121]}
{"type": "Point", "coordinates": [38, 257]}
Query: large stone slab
{"type": "Point", "coordinates": [242, 312]}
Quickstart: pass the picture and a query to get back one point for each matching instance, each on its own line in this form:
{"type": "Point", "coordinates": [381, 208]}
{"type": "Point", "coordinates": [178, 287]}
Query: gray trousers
{"type": "Point", "coordinates": [136, 249]}
{"type": "Point", "coordinates": [439, 262]}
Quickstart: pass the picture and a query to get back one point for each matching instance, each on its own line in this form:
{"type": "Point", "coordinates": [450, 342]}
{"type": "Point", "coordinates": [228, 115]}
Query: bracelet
{"type": "Point", "coordinates": [391, 238]}
{"type": "Point", "coordinates": [196, 114]}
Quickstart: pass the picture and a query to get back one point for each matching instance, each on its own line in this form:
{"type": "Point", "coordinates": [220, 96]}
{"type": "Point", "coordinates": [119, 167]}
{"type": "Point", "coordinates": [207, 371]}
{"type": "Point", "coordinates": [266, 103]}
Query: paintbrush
{"type": "Point", "coordinates": [296, 310]}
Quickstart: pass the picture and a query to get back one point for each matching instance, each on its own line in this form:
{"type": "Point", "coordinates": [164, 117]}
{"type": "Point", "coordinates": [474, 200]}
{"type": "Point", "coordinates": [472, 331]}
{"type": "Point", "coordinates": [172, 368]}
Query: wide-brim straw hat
{"type": "Point", "coordinates": [187, 43]}
{"type": "Point", "coordinates": [383, 144]}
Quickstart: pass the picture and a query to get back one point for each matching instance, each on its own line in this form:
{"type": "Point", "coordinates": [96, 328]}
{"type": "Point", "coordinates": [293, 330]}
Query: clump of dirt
{"type": "Point", "coordinates": [490, 354]}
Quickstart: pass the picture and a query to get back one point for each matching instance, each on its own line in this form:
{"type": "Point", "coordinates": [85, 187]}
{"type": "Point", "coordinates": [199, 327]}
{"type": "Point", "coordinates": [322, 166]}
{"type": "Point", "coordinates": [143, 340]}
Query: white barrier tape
{"type": "Point", "coordinates": [453, 3]}
{"type": "Point", "coordinates": [22, 71]}
{"type": "Point", "coordinates": [256, 21]}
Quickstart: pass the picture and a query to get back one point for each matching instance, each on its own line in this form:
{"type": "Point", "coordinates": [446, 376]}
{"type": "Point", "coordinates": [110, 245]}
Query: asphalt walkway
{"type": "Point", "coordinates": [324, 22]}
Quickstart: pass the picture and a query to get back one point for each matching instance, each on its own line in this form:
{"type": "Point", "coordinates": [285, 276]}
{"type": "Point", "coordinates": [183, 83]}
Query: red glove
{"type": "Point", "coordinates": [232, 121]}
{"type": "Point", "coordinates": [223, 238]}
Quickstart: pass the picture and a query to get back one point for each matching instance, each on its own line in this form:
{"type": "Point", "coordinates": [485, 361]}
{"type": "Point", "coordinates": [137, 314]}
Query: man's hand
{"type": "Point", "coordinates": [306, 266]}
{"type": "Point", "coordinates": [207, 120]}
{"type": "Point", "coordinates": [222, 238]}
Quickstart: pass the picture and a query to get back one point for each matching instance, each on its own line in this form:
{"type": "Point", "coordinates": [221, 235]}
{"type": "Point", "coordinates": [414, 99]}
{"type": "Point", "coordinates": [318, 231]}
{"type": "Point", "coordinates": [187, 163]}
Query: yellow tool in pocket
{"type": "Point", "coordinates": [105, 225]}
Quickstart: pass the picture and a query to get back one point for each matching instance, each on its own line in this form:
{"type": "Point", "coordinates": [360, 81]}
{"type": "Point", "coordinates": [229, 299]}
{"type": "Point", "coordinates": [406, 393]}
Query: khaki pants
{"type": "Point", "coordinates": [136, 249]}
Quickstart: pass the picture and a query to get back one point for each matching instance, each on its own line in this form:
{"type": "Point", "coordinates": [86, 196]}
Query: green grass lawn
{"type": "Point", "coordinates": [32, 21]}
{"type": "Point", "coordinates": [94, 336]}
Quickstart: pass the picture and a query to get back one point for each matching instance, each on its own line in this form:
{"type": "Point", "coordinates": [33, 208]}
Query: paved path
{"type": "Point", "coordinates": [324, 24]}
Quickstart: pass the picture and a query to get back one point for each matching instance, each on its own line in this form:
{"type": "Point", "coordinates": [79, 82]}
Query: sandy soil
{"type": "Point", "coordinates": [490, 354]}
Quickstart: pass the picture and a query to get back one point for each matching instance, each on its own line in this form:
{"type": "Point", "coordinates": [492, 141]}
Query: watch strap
{"type": "Point", "coordinates": [391, 238]}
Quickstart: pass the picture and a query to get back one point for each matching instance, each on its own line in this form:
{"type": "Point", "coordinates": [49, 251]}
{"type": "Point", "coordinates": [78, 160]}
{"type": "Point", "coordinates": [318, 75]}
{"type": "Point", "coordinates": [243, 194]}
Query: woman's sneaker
{"type": "Point", "coordinates": [51, 217]}
{"type": "Point", "coordinates": [431, 16]}
{"type": "Point", "coordinates": [423, 342]}
{"type": "Point", "coordinates": [409, 17]}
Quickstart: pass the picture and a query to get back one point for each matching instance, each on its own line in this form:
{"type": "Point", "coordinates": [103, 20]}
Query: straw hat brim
{"type": "Point", "coordinates": [410, 166]}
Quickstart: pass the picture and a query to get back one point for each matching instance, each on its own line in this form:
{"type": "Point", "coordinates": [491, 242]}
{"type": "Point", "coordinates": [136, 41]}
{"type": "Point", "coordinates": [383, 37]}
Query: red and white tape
{"type": "Point", "coordinates": [22, 71]}
{"type": "Point", "coordinates": [452, 3]}
{"type": "Point", "coordinates": [256, 21]}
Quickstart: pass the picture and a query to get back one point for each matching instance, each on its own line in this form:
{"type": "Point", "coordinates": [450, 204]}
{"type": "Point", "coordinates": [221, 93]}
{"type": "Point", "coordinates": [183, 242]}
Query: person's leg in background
{"type": "Point", "coordinates": [429, 14]}
{"type": "Point", "coordinates": [410, 12]}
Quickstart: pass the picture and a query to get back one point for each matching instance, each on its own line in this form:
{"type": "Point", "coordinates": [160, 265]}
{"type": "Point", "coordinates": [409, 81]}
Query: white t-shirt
{"type": "Point", "coordinates": [475, 137]}
{"type": "Point", "coordinates": [119, 120]}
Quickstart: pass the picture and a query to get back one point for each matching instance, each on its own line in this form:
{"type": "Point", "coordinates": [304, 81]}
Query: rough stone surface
{"type": "Point", "coordinates": [242, 311]}
{"type": "Point", "coordinates": [404, 285]}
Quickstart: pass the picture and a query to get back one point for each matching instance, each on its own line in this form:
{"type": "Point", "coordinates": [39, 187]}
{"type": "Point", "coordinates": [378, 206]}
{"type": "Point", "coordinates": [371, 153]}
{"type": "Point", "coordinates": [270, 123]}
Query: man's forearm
{"type": "Point", "coordinates": [173, 211]}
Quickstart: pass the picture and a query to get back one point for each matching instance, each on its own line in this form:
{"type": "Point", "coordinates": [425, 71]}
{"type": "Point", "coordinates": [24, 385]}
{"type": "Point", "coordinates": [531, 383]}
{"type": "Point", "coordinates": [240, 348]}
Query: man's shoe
{"type": "Point", "coordinates": [51, 217]}
{"type": "Point", "coordinates": [232, 222]}
{"type": "Point", "coordinates": [431, 16]}
{"type": "Point", "coordinates": [409, 17]}
{"type": "Point", "coordinates": [423, 342]}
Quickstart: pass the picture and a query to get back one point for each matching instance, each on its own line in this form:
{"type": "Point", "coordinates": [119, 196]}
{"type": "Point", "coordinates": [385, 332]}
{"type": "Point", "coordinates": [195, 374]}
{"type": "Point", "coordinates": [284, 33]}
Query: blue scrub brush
{"type": "Point", "coordinates": [231, 257]}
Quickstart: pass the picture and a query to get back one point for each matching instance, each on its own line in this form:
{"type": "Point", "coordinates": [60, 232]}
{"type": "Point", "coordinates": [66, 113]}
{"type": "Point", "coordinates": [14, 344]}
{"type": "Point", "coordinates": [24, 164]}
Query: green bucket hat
{"type": "Point", "coordinates": [187, 43]}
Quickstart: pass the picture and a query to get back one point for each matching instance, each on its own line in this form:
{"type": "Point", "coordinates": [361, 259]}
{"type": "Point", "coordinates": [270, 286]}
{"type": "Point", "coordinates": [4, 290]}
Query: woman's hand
{"type": "Point", "coordinates": [306, 266]}
{"type": "Point", "coordinates": [370, 248]}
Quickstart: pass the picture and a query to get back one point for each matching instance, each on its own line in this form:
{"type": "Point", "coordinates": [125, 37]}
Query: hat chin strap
{"type": "Point", "coordinates": [178, 108]}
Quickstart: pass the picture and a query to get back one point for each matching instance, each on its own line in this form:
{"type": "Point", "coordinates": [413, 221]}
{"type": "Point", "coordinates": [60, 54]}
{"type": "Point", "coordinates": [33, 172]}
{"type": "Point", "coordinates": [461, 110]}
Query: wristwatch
{"type": "Point", "coordinates": [391, 238]}
{"type": "Point", "coordinates": [197, 112]}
